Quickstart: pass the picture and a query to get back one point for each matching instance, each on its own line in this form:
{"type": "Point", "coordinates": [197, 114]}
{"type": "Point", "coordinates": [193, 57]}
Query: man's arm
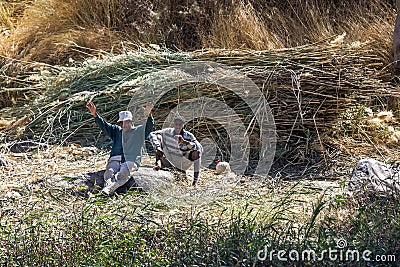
{"type": "Point", "coordinates": [149, 126]}
{"type": "Point", "coordinates": [104, 126]}
{"type": "Point", "coordinates": [153, 138]}
{"type": "Point", "coordinates": [150, 120]}
{"type": "Point", "coordinates": [107, 128]}
{"type": "Point", "coordinates": [192, 143]}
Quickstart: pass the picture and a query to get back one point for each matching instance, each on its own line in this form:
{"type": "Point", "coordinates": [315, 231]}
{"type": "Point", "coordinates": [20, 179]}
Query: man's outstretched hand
{"type": "Point", "coordinates": [148, 108]}
{"type": "Point", "coordinates": [92, 108]}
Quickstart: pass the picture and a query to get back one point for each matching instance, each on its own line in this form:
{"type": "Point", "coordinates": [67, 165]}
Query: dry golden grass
{"type": "Point", "coordinates": [11, 11]}
{"type": "Point", "coordinates": [293, 216]}
{"type": "Point", "coordinates": [242, 28]}
{"type": "Point", "coordinates": [49, 29]}
{"type": "Point", "coordinates": [6, 15]}
{"type": "Point", "coordinates": [40, 29]}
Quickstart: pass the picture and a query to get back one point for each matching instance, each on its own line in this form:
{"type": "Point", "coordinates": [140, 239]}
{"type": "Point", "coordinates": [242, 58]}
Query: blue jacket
{"type": "Point", "coordinates": [134, 139]}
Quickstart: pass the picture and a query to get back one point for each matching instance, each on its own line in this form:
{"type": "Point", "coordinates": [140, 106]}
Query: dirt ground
{"type": "Point", "coordinates": [80, 170]}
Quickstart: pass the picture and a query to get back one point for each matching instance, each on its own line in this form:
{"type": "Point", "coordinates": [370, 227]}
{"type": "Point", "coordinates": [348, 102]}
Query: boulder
{"type": "Point", "coordinates": [144, 179]}
{"type": "Point", "coordinates": [149, 179]}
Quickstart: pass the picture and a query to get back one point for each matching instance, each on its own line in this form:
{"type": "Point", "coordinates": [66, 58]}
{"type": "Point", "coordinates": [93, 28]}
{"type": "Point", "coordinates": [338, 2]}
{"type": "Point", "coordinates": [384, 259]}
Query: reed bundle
{"type": "Point", "coordinates": [308, 89]}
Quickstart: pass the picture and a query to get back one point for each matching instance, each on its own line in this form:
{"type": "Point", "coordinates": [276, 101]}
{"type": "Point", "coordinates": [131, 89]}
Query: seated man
{"type": "Point", "coordinates": [126, 151]}
{"type": "Point", "coordinates": [177, 147]}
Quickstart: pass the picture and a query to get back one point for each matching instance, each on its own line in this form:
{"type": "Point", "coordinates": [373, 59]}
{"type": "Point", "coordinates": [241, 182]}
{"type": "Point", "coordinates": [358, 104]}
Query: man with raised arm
{"type": "Point", "coordinates": [126, 151]}
{"type": "Point", "coordinates": [177, 147]}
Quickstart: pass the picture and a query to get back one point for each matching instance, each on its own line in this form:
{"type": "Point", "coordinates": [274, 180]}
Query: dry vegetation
{"type": "Point", "coordinates": [53, 31]}
{"type": "Point", "coordinates": [225, 221]}
{"type": "Point", "coordinates": [325, 67]}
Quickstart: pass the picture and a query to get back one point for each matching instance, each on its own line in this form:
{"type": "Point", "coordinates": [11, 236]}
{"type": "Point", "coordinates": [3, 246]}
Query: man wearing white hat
{"type": "Point", "coordinates": [126, 151]}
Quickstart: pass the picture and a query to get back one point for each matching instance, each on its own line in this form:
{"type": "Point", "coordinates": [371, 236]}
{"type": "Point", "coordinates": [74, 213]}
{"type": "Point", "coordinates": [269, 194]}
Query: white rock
{"type": "Point", "coordinates": [148, 179]}
{"type": "Point", "coordinates": [222, 167]}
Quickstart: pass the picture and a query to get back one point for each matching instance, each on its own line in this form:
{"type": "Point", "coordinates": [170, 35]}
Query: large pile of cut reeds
{"type": "Point", "coordinates": [308, 88]}
{"type": "Point", "coordinates": [20, 80]}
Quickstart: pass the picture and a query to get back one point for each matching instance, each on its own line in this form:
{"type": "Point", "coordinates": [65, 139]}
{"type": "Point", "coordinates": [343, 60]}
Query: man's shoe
{"type": "Point", "coordinates": [157, 168]}
{"type": "Point", "coordinates": [110, 188]}
{"type": "Point", "coordinates": [158, 165]}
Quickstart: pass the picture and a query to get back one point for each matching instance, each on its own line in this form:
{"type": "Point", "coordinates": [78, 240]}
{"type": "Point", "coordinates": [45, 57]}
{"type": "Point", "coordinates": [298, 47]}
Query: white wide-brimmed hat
{"type": "Point", "coordinates": [125, 116]}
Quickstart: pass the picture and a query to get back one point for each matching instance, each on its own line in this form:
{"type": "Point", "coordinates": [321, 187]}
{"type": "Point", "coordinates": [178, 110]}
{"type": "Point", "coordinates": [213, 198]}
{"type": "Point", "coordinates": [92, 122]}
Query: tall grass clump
{"type": "Point", "coordinates": [47, 31]}
{"type": "Point", "coordinates": [53, 31]}
{"type": "Point", "coordinates": [242, 27]}
{"type": "Point", "coordinates": [10, 12]}
{"type": "Point", "coordinates": [375, 225]}
{"type": "Point", "coordinates": [140, 230]}
{"type": "Point", "coordinates": [5, 16]}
